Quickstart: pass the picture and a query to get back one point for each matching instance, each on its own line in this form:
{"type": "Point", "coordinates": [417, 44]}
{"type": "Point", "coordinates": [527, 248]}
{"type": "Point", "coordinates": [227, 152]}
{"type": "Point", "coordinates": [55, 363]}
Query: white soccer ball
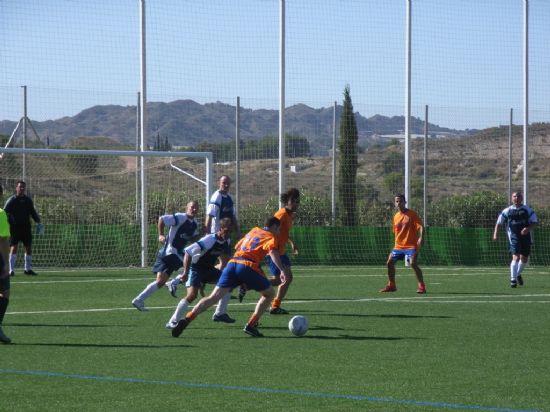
{"type": "Point", "coordinates": [298, 325]}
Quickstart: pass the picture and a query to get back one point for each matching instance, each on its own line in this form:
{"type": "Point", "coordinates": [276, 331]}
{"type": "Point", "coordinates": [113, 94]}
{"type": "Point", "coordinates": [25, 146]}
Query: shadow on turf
{"type": "Point", "coordinates": [52, 325]}
{"type": "Point", "coordinates": [387, 315]}
{"type": "Point", "coordinates": [98, 345]}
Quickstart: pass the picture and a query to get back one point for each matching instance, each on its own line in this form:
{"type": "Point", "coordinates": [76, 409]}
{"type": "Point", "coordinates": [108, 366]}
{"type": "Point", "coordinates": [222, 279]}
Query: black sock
{"type": "Point", "coordinates": [3, 307]}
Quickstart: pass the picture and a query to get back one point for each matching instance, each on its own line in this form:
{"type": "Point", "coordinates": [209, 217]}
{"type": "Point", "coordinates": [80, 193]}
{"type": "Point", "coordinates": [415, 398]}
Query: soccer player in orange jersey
{"type": "Point", "coordinates": [244, 267]}
{"type": "Point", "coordinates": [290, 201]}
{"type": "Point", "coordinates": [408, 230]}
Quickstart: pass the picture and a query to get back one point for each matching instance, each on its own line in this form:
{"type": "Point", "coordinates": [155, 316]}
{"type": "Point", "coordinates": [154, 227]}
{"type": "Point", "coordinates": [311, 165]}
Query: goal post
{"type": "Point", "coordinates": [89, 200]}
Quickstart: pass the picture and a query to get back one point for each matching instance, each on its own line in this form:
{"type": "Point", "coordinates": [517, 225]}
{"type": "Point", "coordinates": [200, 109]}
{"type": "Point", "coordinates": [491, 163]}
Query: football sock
{"type": "Point", "coordinates": [148, 291]}
{"type": "Point", "coordinates": [28, 262]}
{"type": "Point", "coordinates": [13, 261]}
{"type": "Point", "coordinates": [3, 307]}
{"type": "Point", "coordinates": [190, 316]}
{"type": "Point", "coordinates": [222, 304]}
{"type": "Point", "coordinates": [521, 266]}
{"type": "Point", "coordinates": [180, 309]}
{"type": "Point", "coordinates": [276, 303]}
{"type": "Point", "coordinates": [253, 321]}
{"type": "Point", "coordinates": [513, 270]}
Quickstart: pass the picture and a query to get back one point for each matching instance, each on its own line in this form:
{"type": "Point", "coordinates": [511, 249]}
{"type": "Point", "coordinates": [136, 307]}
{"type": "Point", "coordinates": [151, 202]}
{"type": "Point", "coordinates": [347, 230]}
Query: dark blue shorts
{"type": "Point", "coordinates": [198, 275]}
{"type": "Point", "coordinates": [235, 274]}
{"type": "Point", "coordinates": [520, 245]}
{"type": "Point", "coordinates": [399, 254]}
{"type": "Point", "coordinates": [167, 264]}
{"type": "Point", "coordinates": [273, 268]}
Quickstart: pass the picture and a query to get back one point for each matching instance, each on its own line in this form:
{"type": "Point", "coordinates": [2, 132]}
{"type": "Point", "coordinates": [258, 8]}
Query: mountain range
{"type": "Point", "coordinates": [186, 123]}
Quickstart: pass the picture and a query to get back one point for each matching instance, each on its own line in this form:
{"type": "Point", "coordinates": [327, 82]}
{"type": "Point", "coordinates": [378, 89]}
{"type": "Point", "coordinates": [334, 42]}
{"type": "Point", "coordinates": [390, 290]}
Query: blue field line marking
{"type": "Point", "coordinates": [263, 390]}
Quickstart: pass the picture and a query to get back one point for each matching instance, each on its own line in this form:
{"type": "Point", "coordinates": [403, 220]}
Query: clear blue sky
{"type": "Point", "coordinates": [467, 55]}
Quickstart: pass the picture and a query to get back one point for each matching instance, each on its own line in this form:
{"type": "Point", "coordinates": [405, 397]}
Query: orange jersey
{"type": "Point", "coordinates": [406, 226]}
{"type": "Point", "coordinates": [286, 223]}
{"type": "Point", "coordinates": [253, 248]}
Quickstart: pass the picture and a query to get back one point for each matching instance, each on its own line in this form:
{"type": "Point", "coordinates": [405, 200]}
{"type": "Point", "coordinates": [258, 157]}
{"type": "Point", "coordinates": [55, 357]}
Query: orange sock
{"type": "Point", "coordinates": [190, 316]}
{"type": "Point", "coordinates": [253, 320]}
{"type": "Point", "coordinates": [276, 303]}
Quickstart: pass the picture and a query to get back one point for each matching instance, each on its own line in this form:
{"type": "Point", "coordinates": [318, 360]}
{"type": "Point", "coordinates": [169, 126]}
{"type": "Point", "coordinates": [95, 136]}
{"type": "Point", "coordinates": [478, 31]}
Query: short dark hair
{"type": "Point", "coordinates": [291, 194]}
{"type": "Point", "coordinates": [401, 196]}
{"type": "Point", "coordinates": [20, 182]}
{"type": "Point", "coordinates": [1, 189]}
{"type": "Point", "coordinates": [270, 221]}
{"type": "Point", "coordinates": [226, 222]}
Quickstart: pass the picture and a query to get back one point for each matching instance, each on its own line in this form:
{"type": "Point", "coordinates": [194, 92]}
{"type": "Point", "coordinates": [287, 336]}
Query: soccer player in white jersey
{"type": "Point", "coordinates": [221, 205]}
{"type": "Point", "coordinates": [183, 229]}
{"type": "Point", "coordinates": [200, 266]}
{"type": "Point", "coordinates": [519, 220]}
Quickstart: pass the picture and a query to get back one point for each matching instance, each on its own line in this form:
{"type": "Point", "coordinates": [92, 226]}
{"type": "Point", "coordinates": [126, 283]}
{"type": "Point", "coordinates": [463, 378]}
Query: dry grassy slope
{"type": "Point", "coordinates": [455, 166]}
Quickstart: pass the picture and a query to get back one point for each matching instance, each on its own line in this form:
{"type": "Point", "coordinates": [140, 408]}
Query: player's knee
{"type": "Point", "coordinates": [268, 293]}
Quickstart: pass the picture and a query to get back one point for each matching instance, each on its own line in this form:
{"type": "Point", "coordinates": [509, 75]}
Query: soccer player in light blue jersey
{"type": "Point", "coordinates": [519, 220]}
{"type": "Point", "coordinates": [221, 206]}
{"type": "Point", "coordinates": [183, 230]}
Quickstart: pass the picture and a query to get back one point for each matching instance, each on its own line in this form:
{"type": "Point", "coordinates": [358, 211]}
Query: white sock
{"type": "Point", "coordinates": [13, 261]}
{"type": "Point", "coordinates": [148, 291]}
{"type": "Point", "coordinates": [222, 304]}
{"type": "Point", "coordinates": [180, 310]}
{"type": "Point", "coordinates": [176, 281]}
{"type": "Point", "coordinates": [521, 266]}
{"type": "Point", "coordinates": [514, 270]}
{"type": "Point", "coordinates": [28, 262]}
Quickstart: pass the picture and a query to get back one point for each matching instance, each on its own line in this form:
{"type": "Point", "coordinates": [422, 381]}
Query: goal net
{"type": "Point", "coordinates": [90, 200]}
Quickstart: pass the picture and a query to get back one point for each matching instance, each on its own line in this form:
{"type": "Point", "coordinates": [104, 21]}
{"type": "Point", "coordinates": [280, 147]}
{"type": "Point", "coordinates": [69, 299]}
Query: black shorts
{"type": "Point", "coordinates": [21, 234]}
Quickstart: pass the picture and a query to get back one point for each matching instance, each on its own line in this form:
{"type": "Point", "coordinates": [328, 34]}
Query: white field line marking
{"type": "Point", "coordinates": [419, 299]}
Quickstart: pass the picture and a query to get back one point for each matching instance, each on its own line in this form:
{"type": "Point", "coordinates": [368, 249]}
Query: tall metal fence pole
{"type": "Point", "coordinates": [237, 157]}
{"type": "Point", "coordinates": [424, 197]}
{"type": "Point", "coordinates": [525, 96]}
{"type": "Point", "coordinates": [282, 100]}
{"type": "Point", "coordinates": [333, 186]}
{"type": "Point", "coordinates": [143, 72]}
{"type": "Point", "coordinates": [510, 153]}
{"type": "Point", "coordinates": [407, 96]}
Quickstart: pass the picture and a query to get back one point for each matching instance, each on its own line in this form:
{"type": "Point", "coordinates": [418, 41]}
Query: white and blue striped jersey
{"type": "Point", "coordinates": [220, 206]}
{"type": "Point", "coordinates": [517, 218]}
{"type": "Point", "coordinates": [207, 249]}
{"type": "Point", "coordinates": [182, 230]}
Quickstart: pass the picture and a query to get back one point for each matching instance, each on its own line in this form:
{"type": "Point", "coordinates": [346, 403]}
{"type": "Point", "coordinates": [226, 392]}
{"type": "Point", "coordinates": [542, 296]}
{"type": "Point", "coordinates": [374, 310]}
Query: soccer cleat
{"type": "Point", "coordinates": [388, 288]}
{"type": "Point", "coordinates": [12, 273]}
{"type": "Point", "coordinates": [178, 329]}
{"type": "Point", "coordinates": [242, 294]}
{"type": "Point", "coordinates": [139, 305]}
{"type": "Point", "coordinates": [252, 331]}
{"type": "Point", "coordinates": [520, 280]}
{"type": "Point", "coordinates": [172, 288]}
{"type": "Point", "coordinates": [224, 317]}
{"type": "Point", "coordinates": [171, 324]}
{"type": "Point", "coordinates": [278, 311]}
{"type": "Point", "coordinates": [421, 290]}
{"type": "Point", "coordinates": [3, 337]}
{"type": "Point", "coordinates": [513, 284]}
{"type": "Point", "coordinates": [30, 272]}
